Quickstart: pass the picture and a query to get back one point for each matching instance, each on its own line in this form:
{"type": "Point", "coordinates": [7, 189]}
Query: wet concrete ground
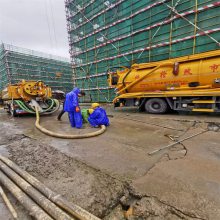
{"type": "Point", "coordinates": [107, 173]}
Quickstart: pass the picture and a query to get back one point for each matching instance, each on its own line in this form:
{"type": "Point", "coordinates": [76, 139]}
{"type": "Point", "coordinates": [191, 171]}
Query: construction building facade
{"type": "Point", "coordinates": [112, 33]}
{"type": "Point", "coordinates": [18, 63]}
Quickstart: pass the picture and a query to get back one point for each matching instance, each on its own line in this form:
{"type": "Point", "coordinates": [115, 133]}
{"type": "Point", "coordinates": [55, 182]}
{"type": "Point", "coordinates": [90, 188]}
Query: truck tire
{"type": "Point", "coordinates": [156, 106]}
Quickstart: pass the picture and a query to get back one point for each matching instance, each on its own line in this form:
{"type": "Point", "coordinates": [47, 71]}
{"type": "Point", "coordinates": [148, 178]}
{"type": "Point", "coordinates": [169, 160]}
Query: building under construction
{"type": "Point", "coordinates": [19, 63]}
{"type": "Point", "coordinates": [105, 34]}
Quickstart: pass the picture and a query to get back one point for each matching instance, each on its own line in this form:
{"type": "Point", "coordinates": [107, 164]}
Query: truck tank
{"type": "Point", "coordinates": [196, 71]}
{"type": "Point", "coordinates": [190, 83]}
{"type": "Point", "coordinates": [22, 97]}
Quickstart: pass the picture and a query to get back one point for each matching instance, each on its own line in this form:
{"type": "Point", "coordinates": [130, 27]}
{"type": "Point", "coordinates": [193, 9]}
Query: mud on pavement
{"type": "Point", "coordinates": [178, 183]}
{"type": "Point", "coordinates": [89, 188]}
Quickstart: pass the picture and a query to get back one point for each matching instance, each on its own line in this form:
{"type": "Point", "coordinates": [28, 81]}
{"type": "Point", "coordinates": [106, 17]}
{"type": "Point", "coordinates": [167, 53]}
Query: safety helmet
{"type": "Point", "coordinates": [91, 111]}
{"type": "Point", "coordinates": [95, 105]}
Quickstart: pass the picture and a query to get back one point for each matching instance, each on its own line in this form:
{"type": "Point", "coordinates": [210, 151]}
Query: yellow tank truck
{"type": "Point", "coordinates": [24, 96]}
{"type": "Point", "coordinates": [189, 83]}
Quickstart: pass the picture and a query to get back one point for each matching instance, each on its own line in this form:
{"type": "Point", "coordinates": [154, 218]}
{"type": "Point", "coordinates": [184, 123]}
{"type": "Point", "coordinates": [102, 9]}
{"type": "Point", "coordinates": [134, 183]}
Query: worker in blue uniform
{"type": "Point", "coordinates": [72, 107]}
{"type": "Point", "coordinates": [98, 117]}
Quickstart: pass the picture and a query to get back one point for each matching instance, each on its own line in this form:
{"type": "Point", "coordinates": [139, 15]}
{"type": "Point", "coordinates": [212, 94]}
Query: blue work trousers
{"type": "Point", "coordinates": [75, 119]}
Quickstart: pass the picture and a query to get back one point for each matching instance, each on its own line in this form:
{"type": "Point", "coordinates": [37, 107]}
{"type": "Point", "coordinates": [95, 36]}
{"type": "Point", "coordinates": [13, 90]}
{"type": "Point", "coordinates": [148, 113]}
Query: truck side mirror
{"type": "Point", "coordinates": [114, 80]}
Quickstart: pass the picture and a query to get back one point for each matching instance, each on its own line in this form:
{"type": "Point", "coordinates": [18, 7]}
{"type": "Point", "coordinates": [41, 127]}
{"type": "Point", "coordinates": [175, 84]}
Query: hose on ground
{"type": "Point", "coordinates": [41, 200]}
{"type": "Point", "coordinates": [57, 199]}
{"type": "Point", "coordinates": [66, 136]}
{"type": "Point", "coordinates": [33, 209]}
{"type": "Point", "coordinates": [8, 204]}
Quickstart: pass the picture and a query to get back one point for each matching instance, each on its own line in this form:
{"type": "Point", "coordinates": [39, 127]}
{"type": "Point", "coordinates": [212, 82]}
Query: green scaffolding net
{"type": "Point", "coordinates": [19, 63]}
{"type": "Point", "coordinates": [108, 33]}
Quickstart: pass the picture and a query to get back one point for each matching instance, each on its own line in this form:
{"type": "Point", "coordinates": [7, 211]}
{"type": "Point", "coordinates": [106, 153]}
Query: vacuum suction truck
{"type": "Point", "coordinates": [24, 96]}
{"type": "Point", "coordinates": [189, 83]}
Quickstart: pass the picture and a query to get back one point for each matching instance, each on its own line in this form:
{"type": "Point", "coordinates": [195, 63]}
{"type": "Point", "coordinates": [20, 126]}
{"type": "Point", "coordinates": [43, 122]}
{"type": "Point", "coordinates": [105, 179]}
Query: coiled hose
{"type": "Point", "coordinates": [49, 110]}
{"type": "Point", "coordinates": [46, 111]}
{"type": "Point", "coordinates": [66, 136]}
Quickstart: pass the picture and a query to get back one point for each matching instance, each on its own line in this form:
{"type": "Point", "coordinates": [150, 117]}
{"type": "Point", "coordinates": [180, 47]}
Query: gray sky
{"type": "Point", "coordinates": [35, 24]}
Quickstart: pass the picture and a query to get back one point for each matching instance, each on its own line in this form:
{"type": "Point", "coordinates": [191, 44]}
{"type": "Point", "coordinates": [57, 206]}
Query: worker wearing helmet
{"type": "Point", "coordinates": [85, 114]}
{"type": "Point", "coordinates": [72, 107]}
{"type": "Point", "coordinates": [98, 116]}
{"type": "Point", "coordinates": [90, 111]}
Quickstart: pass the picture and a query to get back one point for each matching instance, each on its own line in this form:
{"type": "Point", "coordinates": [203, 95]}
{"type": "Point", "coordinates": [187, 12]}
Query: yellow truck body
{"type": "Point", "coordinates": [190, 83]}
{"type": "Point", "coordinates": [20, 98]}
{"type": "Point", "coordinates": [26, 90]}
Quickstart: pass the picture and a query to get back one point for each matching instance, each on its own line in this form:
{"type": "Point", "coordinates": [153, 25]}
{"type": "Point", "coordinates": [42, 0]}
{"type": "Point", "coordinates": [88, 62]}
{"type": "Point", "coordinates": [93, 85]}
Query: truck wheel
{"type": "Point", "coordinates": [156, 106]}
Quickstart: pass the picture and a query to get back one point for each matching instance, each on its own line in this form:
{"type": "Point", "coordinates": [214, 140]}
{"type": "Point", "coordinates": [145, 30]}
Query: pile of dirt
{"type": "Point", "coordinates": [87, 187]}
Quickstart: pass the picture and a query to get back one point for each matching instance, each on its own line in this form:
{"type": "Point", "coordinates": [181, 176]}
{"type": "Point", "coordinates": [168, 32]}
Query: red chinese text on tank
{"type": "Point", "coordinates": [214, 67]}
{"type": "Point", "coordinates": [163, 74]}
{"type": "Point", "coordinates": [187, 71]}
